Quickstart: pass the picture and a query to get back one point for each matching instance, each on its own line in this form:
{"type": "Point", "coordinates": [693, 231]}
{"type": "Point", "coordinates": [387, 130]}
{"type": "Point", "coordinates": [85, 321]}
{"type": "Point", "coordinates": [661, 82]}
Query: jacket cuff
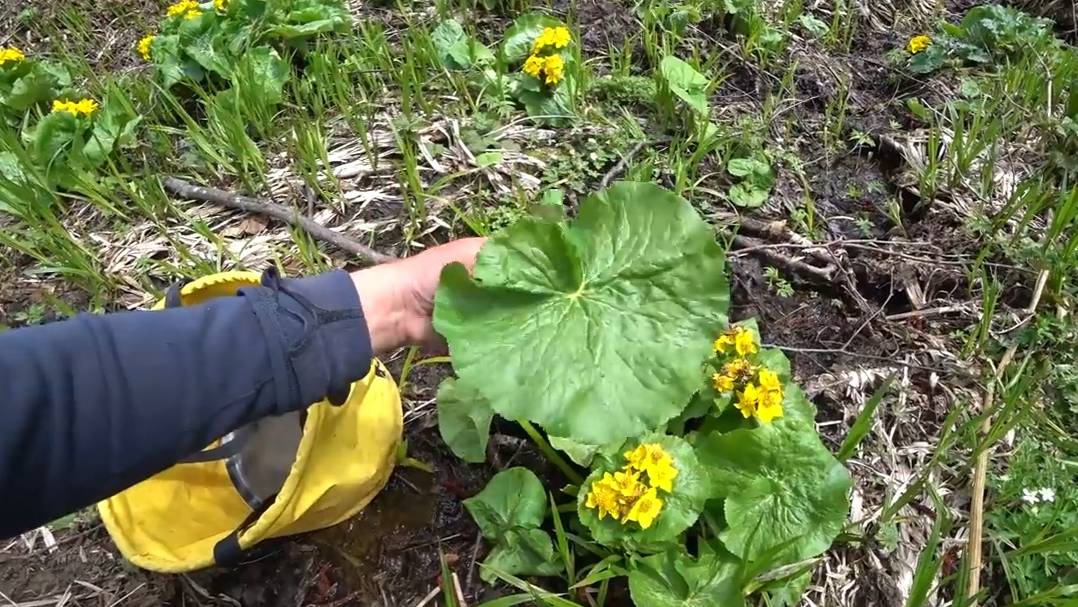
{"type": "Point", "coordinates": [322, 334]}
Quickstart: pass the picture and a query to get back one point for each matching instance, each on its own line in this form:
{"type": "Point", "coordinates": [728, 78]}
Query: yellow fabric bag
{"type": "Point", "coordinates": [192, 515]}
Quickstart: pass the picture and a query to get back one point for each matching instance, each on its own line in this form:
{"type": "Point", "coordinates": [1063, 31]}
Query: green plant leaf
{"type": "Point", "coordinates": [552, 105]}
{"type": "Point", "coordinates": [456, 49]}
{"type": "Point", "coordinates": [813, 25]}
{"type": "Point", "coordinates": [780, 485]}
{"type": "Point", "coordinates": [747, 196]}
{"type": "Point", "coordinates": [262, 73]}
{"type": "Point", "coordinates": [40, 81]}
{"type": "Point", "coordinates": [522, 552]}
{"type": "Point", "coordinates": [519, 38]}
{"type": "Point", "coordinates": [580, 453]}
{"type": "Point", "coordinates": [685, 82]}
{"type": "Point", "coordinates": [464, 420]}
{"type": "Point", "coordinates": [680, 508]}
{"type": "Point", "coordinates": [298, 19]}
{"type": "Point", "coordinates": [513, 498]}
{"type": "Point", "coordinates": [595, 330]}
{"type": "Point", "coordinates": [674, 579]}
{"type": "Point", "coordinates": [53, 135]}
{"type": "Point", "coordinates": [113, 126]}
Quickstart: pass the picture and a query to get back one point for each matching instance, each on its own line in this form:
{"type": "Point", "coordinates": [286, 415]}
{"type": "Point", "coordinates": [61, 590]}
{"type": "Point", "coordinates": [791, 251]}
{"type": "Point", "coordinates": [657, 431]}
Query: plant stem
{"type": "Point", "coordinates": [549, 453]}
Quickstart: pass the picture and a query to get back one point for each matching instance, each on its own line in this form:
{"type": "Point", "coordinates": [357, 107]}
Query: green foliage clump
{"type": "Point", "coordinates": [27, 82]}
{"type": "Point", "coordinates": [702, 468]}
{"type": "Point", "coordinates": [987, 34]}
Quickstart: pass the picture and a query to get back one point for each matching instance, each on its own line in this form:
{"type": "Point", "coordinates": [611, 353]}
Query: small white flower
{"type": "Point", "coordinates": [1031, 497]}
{"type": "Point", "coordinates": [1048, 495]}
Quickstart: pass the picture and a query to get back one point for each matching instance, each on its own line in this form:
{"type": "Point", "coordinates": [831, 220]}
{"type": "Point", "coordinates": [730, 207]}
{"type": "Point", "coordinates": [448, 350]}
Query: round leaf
{"type": "Point", "coordinates": [464, 420]}
{"type": "Point", "coordinates": [521, 552]}
{"type": "Point", "coordinates": [520, 37]}
{"type": "Point", "coordinates": [596, 330]}
{"type": "Point", "coordinates": [783, 490]}
{"type": "Point", "coordinates": [674, 579]}
{"type": "Point", "coordinates": [513, 498]}
{"type": "Point", "coordinates": [685, 82]}
{"type": "Point", "coordinates": [680, 508]}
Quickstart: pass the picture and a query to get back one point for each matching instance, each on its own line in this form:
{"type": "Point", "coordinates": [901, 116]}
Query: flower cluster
{"type": "Point", "coordinates": [762, 399]}
{"type": "Point", "coordinates": [10, 55]}
{"type": "Point", "coordinates": [738, 339]}
{"type": "Point", "coordinates": [144, 46]}
{"type": "Point", "coordinates": [918, 44]}
{"type": "Point", "coordinates": [189, 9]}
{"type": "Point", "coordinates": [760, 389]}
{"type": "Point", "coordinates": [626, 498]}
{"type": "Point", "coordinates": [550, 68]}
{"type": "Point", "coordinates": [85, 107]}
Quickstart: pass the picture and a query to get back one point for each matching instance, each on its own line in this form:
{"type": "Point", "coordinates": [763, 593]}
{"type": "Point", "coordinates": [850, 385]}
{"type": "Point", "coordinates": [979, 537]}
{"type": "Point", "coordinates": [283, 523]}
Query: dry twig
{"type": "Point", "coordinates": [184, 189]}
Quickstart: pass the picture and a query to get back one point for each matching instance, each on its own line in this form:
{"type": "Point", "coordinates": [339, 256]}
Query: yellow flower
{"type": "Point", "coordinates": [10, 55]}
{"type": "Point", "coordinates": [557, 37]}
{"type": "Point", "coordinates": [722, 382]}
{"type": "Point", "coordinates": [533, 66]}
{"type": "Point", "coordinates": [769, 406]}
{"type": "Point", "coordinates": [656, 462]}
{"type": "Point", "coordinates": [723, 342]}
{"type": "Point", "coordinates": [645, 510]}
{"type": "Point", "coordinates": [220, 5]}
{"type": "Point", "coordinates": [554, 68]}
{"type": "Point", "coordinates": [604, 497]}
{"type": "Point", "coordinates": [744, 342]}
{"type": "Point", "coordinates": [144, 46]}
{"type": "Point", "coordinates": [769, 380]}
{"type": "Point", "coordinates": [750, 396]}
{"type": "Point", "coordinates": [918, 44]}
{"type": "Point", "coordinates": [85, 107]}
{"type": "Point", "coordinates": [189, 9]}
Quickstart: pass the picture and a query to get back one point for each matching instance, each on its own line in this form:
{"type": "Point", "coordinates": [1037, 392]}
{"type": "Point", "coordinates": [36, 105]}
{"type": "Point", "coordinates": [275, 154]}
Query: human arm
{"type": "Point", "coordinates": [92, 405]}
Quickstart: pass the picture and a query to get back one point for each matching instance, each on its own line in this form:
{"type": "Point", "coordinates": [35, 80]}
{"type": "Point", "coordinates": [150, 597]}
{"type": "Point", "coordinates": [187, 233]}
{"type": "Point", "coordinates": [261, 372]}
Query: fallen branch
{"type": "Point", "coordinates": [814, 274]}
{"type": "Point", "coordinates": [184, 189]}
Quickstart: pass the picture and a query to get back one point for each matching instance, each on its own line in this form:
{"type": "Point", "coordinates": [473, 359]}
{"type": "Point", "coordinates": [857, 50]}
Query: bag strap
{"type": "Point", "coordinates": [174, 294]}
{"type": "Point", "coordinates": [227, 551]}
{"type": "Point", "coordinates": [223, 451]}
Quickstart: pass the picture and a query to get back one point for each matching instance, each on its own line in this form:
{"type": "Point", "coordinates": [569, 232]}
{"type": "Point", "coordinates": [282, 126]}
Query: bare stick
{"type": "Point", "coordinates": [823, 276]}
{"type": "Point", "coordinates": [184, 189]}
{"type": "Point", "coordinates": [931, 311]}
{"type": "Point", "coordinates": [980, 471]}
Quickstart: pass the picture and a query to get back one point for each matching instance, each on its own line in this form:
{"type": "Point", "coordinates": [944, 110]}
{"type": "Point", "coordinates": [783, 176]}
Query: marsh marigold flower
{"type": "Point", "coordinates": [554, 68]}
{"type": "Point", "coordinates": [733, 372]}
{"type": "Point", "coordinates": [220, 5]}
{"type": "Point", "coordinates": [918, 44]}
{"type": "Point", "coordinates": [189, 9]}
{"type": "Point", "coordinates": [763, 399]}
{"type": "Point", "coordinates": [624, 496]}
{"type": "Point", "coordinates": [553, 37]}
{"type": "Point", "coordinates": [84, 107]}
{"type": "Point", "coordinates": [739, 339]}
{"type": "Point", "coordinates": [10, 55]}
{"type": "Point", "coordinates": [144, 46]}
{"type": "Point", "coordinates": [533, 66]}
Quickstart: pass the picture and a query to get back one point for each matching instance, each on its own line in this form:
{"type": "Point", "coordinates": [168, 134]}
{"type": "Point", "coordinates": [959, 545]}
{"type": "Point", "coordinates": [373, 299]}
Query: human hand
{"type": "Point", "coordinates": [398, 297]}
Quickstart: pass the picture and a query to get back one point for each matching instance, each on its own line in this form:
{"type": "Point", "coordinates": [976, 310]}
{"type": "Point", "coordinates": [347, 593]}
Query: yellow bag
{"type": "Point", "coordinates": [194, 515]}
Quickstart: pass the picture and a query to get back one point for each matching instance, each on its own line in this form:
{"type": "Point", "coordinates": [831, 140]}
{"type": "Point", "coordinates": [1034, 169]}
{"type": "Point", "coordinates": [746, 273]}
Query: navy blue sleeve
{"type": "Point", "coordinates": [95, 404]}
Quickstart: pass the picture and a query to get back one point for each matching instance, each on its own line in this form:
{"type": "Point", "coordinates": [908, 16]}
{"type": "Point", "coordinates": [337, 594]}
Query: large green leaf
{"type": "Point", "coordinates": [595, 330]}
{"type": "Point", "coordinates": [513, 498]}
{"type": "Point", "coordinates": [781, 487]}
{"type": "Point", "coordinates": [674, 579]}
{"type": "Point", "coordinates": [685, 82]}
{"type": "Point", "coordinates": [261, 73]}
{"type": "Point", "coordinates": [299, 19]}
{"type": "Point", "coordinates": [53, 135]}
{"type": "Point", "coordinates": [680, 509]}
{"type": "Point", "coordinates": [113, 126]}
{"type": "Point", "coordinates": [464, 420]}
{"type": "Point", "coordinates": [456, 49]}
{"type": "Point", "coordinates": [39, 81]}
{"type": "Point", "coordinates": [521, 552]}
{"type": "Point", "coordinates": [519, 38]}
